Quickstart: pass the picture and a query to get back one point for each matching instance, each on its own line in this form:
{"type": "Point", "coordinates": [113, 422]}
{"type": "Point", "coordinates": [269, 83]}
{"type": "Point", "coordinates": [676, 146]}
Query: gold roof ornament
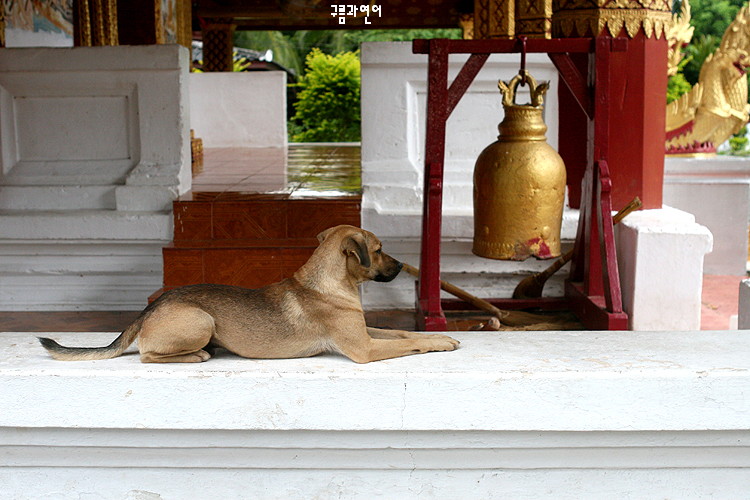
{"type": "Point", "coordinates": [679, 34]}
{"type": "Point", "coordinates": [716, 107]}
{"type": "Point", "coordinates": [571, 18]}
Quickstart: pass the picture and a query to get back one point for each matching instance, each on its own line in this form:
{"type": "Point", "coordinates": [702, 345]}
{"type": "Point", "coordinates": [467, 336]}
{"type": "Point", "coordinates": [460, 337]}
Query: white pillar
{"type": "Point", "coordinates": [660, 256]}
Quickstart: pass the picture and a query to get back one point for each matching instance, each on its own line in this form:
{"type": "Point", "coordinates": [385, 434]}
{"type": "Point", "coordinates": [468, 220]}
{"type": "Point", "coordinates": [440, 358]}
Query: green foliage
{"type": "Point", "coordinates": [738, 143]}
{"type": "Point", "coordinates": [711, 17]}
{"type": "Point", "coordinates": [290, 48]}
{"type": "Point", "coordinates": [698, 50]}
{"type": "Point", "coordinates": [332, 114]}
{"type": "Point", "coordinates": [241, 64]}
{"type": "Point", "coordinates": [328, 108]}
{"type": "Point", "coordinates": [676, 86]}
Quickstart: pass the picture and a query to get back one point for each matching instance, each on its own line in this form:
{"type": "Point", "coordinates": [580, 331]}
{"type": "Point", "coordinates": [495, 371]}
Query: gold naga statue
{"type": "Point", "coordinates": [716, 107]}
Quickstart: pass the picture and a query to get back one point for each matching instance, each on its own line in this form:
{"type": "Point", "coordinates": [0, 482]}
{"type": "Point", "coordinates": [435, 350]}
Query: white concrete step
{"type": "Point", "coordinates": [40, 198]}
{"type": "Point", "coordinates": [84, 225]}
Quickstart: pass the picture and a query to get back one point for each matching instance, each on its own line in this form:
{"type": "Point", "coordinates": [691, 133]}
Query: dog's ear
{"type": "Point", "coordinates": [324, 234]}
{"type": "Point", "coordinates": [356, 244]}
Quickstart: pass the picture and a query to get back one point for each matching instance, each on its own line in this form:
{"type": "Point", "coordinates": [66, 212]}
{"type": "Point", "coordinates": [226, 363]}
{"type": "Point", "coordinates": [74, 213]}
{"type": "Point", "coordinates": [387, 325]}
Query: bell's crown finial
{"type": "Point", "coordinates": [537, 91]}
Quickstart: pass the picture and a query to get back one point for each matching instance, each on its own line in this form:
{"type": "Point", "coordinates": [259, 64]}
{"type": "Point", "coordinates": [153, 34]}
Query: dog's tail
{"type": "Point", "coordinates": [116, 348]}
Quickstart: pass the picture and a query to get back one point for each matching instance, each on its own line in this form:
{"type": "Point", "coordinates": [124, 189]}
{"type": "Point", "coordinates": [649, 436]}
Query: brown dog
{"type": "Point", "coordinates": [318, 310]}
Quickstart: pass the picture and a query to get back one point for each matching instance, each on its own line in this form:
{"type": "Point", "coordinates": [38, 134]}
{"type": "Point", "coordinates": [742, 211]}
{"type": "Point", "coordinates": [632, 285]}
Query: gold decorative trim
{"type": "Point", "coordinates": [583, 22]}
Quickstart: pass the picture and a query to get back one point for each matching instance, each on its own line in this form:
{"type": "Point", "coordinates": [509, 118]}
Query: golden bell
{"type": "Point", "coordinates": [519, 183]}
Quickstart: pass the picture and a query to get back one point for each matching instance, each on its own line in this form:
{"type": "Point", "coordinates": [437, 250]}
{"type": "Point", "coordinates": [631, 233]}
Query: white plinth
{"type": "Point", "coordinates": [509, 415]}
{"type": "Point", "coordinates": [660, 258]}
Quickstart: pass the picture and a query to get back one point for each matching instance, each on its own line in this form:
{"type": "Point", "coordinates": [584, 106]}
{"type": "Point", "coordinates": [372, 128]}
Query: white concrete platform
{"type": "Point", "coordinates": [508, 415]}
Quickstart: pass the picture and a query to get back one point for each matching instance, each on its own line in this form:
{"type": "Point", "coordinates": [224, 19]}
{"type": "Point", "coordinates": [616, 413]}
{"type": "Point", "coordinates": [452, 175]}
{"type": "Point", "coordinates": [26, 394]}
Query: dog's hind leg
{"type": "Point", "coordinates": [176, 334]}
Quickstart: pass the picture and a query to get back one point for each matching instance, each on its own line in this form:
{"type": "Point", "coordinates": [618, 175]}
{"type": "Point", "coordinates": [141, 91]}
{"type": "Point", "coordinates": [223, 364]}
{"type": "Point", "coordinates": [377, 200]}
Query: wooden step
{"type": "Point", "coordinates": [246, 266]}
{"type": "Point", "coordinates": [259, 218]}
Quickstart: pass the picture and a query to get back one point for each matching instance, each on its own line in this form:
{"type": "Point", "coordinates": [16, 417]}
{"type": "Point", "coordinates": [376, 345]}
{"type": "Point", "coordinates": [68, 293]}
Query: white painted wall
{"type": "Point", "coordinates": [94, 146]}
{"type": "Point", "coordinates": [717, 191]}
{"type": "Point", "coordinates": [563, 415]}
{"type": "Point", "coordinates": [239, 109]}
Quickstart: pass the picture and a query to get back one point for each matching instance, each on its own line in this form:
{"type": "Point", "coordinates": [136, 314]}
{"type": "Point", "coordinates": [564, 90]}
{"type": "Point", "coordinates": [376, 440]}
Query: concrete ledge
{"type": "Point", "coordinates": [513, 415]}
{"type": "Point", "coordinates": [549, 381]}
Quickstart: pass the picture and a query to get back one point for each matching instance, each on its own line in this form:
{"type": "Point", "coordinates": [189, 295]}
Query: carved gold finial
{"type": "Point", "coordinates": [537, 91]}
{"type": "Point", "coordinates": [679, 35]}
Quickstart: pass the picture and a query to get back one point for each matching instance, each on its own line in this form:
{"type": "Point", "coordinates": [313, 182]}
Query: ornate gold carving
{"type": "Point", "coordinates": [494, 19]}
{"type": "Point", "coordinates": [716, 107]}
{"type": "Point", "coordinates": [679, 34]}
{"type": "Point", "coordinates": [572, 18]}
{"type": "Point", "coordinates": [534, 18]}
{"type": "Point", "coordinates": [96, 23]}
{"type": "Point", "coordinates": [218, 45]}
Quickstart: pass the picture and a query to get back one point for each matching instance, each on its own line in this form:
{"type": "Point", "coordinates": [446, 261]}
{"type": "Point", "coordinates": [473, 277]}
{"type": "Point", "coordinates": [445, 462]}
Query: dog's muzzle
{"type": "Point", "coordinates": [390, 275]}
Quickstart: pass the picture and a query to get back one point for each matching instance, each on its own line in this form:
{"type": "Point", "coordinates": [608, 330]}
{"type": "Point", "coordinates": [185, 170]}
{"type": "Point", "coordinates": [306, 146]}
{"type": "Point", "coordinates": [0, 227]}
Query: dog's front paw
{"type": "Point", "coordinates": [448, 339]}
{"type": "Point", "coordinates": [444, 343]}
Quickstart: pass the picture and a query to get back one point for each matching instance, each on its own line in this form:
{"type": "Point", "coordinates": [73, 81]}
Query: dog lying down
{"type": "Point", "coordinates": [317, 310]}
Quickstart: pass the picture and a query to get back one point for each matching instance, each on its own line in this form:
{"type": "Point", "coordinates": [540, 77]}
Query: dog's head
{"type": "Point", "coordinates": [363, 251]}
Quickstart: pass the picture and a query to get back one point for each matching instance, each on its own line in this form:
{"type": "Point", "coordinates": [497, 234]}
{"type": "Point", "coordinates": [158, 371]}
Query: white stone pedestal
{"type": "Point", "coordinates": [660, 256]}
{"type": "Point", "coordinates": [717, 191]}
{"type": "Point", "coordinates": [563, 415]}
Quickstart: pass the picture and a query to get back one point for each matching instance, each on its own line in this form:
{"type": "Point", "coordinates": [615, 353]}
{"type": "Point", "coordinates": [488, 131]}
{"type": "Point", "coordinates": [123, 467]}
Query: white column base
{"type": "Point", "coordinates": [660, 257]}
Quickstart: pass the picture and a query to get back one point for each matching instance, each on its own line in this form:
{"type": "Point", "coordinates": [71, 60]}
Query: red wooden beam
{"type": "Point", "coordinates": [574, 80]}
{"type": "Point", "coordinates": [537, 45]}
{"type": "Point", "coordinates": [463, 79]}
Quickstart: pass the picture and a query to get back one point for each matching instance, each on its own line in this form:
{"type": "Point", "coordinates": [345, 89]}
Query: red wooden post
{"type": "Point", "coordinates": [429, 311]}
{"type": "Point", "coordinates": [637, 118]}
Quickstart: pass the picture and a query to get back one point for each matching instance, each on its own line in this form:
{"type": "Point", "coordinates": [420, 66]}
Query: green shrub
{"type": "Point", "coordinates": [328, 108]}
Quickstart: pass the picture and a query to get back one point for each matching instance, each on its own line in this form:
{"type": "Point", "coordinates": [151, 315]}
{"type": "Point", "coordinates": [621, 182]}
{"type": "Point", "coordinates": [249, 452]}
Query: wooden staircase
{"type": "Point", "coordinates": [227, 230]}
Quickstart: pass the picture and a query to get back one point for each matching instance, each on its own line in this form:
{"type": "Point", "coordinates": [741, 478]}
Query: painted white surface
{"type": "Point", "coordinates": [508, 415]}
{"type": "Point", "coordinates": [717, 191]}
{"type": "Point", "coordinates": [743, 318]}
{"type": "Point", "coordinates": [94, 146]}
{"type": "Point", "coordinates": [546, 381]}
{"type": "Point", "coordinates": [239, 109]}
{"type": "Point", "coordinates": [660, 257]}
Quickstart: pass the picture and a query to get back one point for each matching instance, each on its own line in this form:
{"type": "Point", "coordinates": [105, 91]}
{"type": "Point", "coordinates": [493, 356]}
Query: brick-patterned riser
{"type": "Point", "coordinates": [249, 243]}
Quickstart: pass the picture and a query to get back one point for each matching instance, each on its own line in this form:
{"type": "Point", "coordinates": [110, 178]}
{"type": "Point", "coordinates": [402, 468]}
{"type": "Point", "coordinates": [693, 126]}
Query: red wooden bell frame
{"type": "Point", "coordinates": [592, 291]}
